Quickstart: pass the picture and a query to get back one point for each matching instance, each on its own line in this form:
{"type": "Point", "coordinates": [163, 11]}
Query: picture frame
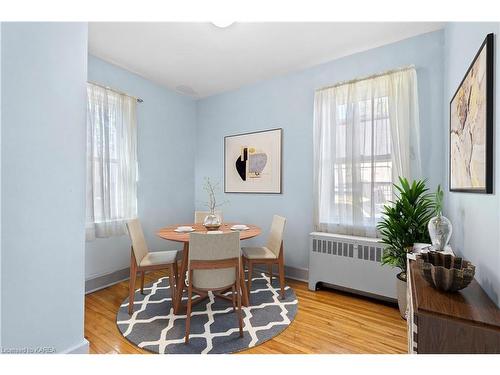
{"type": "Point", "coordinates": [253, 162]}
{"type": "Point", "coordinates": [471, 126]}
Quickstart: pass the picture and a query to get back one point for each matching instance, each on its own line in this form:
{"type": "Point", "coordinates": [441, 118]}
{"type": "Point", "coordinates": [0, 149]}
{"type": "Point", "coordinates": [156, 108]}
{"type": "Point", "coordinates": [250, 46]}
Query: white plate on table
{"type": "Point", "coordinates": [184, 229]}
{"type": "Point", "coordinates": [239, 227]}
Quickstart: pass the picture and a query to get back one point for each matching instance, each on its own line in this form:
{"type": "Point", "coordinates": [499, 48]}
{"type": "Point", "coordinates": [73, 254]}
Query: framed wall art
{"type": "Point", "coordinates": [471, 126]}
{"type": "Point", "coordinates": [252, 162]}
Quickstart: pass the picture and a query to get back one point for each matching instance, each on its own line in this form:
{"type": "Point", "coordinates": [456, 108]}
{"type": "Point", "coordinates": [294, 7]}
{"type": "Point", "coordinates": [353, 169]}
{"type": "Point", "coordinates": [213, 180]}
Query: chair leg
{"type": "Point", "coordinates": [131, 284]}
{"type": "Point", "coordinates": [181, 279]}
{"type": "Point", "coordinates": [176, 275]}
{"type": "Point", "coordinates": [250, 273]}
{"type": "Point", "coordinates": [243, 284]}
{"type": "Point", "coordinates": [238, 298]}
{"type": "Point", "coordinates": [233, 296]}
{"type": "Point", "coordinates": [281, 265]}
{"type": "Point", "coordinates": [188, 312]}
{"type": "Point", "coordinates": [271, 273]}
{"type": "Point", "coordinates": [171, 281]}
{"type": "Point", "coordinates": [142, 282]}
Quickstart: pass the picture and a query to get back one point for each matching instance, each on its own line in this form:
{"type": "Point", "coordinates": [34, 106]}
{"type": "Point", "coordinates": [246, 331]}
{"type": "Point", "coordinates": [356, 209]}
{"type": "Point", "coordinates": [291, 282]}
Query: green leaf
{"type": "Point", "coordinates": [404, 220]}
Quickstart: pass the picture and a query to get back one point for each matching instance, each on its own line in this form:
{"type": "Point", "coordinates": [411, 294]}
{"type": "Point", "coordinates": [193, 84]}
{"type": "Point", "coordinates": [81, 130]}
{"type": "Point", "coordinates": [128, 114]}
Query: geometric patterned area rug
{"type": "Point", "coordinates": [214, 326]}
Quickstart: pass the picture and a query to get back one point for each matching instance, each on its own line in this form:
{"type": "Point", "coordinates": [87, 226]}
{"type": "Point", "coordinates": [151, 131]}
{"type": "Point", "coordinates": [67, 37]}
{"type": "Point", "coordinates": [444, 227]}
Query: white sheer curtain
{"type": "Point", "coordinates": [365, 136]}
{"type": "Point", "coordinates": [111, 161]}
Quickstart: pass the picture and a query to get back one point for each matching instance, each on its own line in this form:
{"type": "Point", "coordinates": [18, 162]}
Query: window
{"type": "Point", "coordinates": [374, 179]}
{"type": "Point", "coordinates": [111, 161]}
{"type": "Point", "coordinates": [356, 162]}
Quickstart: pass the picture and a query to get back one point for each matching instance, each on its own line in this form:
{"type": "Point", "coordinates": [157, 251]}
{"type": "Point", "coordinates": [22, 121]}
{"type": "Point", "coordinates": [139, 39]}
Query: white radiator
{"type": "Point", "coordinates": [350, 263]}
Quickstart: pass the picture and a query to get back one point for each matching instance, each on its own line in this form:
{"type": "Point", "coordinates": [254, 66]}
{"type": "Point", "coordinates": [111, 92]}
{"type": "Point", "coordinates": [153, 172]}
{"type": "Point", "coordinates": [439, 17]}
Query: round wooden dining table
{"type": "Point", "coordinates": [169, 233]}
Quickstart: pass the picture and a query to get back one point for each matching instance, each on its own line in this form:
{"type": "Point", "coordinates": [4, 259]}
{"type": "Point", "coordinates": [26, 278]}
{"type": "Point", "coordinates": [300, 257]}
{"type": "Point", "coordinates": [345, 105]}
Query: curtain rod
{"type": "Point", "coordinates": [139, 100]}
{"type": "Point", "coordinates": [367, 77]}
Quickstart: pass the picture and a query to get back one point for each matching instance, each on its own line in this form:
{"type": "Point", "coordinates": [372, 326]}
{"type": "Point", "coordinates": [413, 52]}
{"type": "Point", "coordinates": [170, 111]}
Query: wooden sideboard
{"type": "Point", "coordinates": [463, 322]}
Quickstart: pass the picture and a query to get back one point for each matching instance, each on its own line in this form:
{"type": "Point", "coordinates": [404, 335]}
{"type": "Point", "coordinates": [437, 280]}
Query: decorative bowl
{"type": "Point", "coordinates": [445, 271]}
{"type": "Point", "coordinates": [212, 222]}
{"type": "Point", "coordinates": [210, 227]}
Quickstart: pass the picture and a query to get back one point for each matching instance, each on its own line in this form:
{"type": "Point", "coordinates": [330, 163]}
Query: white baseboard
{"type": "Point", "coordinates": [103, 281]}
{"type": "Point", "coordinates": [295, 273]}
{"type": "Point", "coordinates": [81, 348]}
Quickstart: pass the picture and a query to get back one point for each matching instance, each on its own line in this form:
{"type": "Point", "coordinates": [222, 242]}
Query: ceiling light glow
{"type": "Point", "coordinates": [222, 24]}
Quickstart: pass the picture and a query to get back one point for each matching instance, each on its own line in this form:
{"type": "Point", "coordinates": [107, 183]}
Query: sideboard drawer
{"type": "Point", "coordinates": [438, 322]}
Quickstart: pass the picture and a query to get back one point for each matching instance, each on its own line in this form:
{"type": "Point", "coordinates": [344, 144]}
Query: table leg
{"type": "Point", "coordinates": [178, 306]}
{"type": "Point", "coordinates": [243, 285]}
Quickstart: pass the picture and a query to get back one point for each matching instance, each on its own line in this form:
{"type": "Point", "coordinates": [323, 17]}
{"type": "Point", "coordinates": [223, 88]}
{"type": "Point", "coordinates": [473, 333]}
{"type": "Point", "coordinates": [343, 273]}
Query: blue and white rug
{"type": "Point", "coordinates": [214, 326]}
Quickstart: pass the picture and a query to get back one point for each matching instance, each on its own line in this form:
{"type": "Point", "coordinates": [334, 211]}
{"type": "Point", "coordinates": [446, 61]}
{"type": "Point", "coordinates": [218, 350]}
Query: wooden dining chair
{"type": "Point", "coordinates": [199, 216]}
{"type": "Point", "coordinates": [214, 265]}
{"type": "Point", "coordinates": [270, 254]}
{"type": "Point", "coordinates": [142, 260]}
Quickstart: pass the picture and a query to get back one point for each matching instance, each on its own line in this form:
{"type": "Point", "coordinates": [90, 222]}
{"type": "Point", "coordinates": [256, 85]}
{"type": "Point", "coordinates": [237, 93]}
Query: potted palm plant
{"type": "Point", "coordinates": [404, 223]}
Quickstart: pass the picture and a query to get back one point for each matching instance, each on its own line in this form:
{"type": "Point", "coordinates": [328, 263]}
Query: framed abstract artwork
{"type": "Point", "coordinates": [252, 162]}
{"type": "Point", "coordinates": [471, 126]}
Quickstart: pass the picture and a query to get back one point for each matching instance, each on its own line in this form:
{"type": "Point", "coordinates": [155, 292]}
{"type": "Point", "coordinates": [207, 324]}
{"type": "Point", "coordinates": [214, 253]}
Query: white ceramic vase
{"type": "Point", "coordinates": [440, 230]}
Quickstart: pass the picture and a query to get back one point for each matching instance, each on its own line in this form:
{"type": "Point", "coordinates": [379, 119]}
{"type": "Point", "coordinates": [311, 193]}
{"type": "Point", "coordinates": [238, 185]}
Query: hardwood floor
{"type": "Point", "coordinates": [327, 322]}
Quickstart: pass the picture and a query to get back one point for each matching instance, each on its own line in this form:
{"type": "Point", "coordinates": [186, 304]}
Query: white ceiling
{"type": "Point", "coordinates": [200, 59]}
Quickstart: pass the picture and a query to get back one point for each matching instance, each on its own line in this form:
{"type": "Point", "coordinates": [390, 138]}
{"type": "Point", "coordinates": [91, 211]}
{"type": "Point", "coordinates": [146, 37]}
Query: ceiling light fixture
{"type": "Point", "coordinates": [222, 24]}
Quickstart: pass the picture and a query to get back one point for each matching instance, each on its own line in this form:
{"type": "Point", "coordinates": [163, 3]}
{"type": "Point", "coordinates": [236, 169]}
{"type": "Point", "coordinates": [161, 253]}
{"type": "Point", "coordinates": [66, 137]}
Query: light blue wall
{"type": "Point", "coordinates": [166, 124]}
{"type": "Point", "coordinates": [475, 217]}
{"type": "Point", "coordinates": [44, 69]}
{"type": "Point", "coordinates": [287, 102]}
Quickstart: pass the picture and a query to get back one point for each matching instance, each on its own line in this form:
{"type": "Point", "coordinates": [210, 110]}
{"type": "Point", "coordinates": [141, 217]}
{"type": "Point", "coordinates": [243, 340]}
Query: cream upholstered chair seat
{"type": "Point", "coordinates": [155, 258]}
{"type": "Point", "coordinates": [208, 279]}
{"type": "Point", "coordinates": [142, 260]}
{"type": "Point", "coordinates": [258, 253]}
{"type": "Point", "coordinates": [270, 254]}
{"type": "Point", "coordinates": [214, 247]}
{"type": "Point", "coordinates": [214, 265]}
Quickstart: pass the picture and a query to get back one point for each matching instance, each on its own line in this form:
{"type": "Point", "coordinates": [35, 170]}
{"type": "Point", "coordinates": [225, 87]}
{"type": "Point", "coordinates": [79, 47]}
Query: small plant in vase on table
{"type": "Point", "coordinates": [212, 221]}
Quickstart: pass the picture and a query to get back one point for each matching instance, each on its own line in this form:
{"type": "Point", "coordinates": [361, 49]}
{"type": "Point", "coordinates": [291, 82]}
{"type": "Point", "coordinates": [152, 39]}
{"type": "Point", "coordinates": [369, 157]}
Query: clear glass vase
{"type": "Point", "coordinates": [440, 229]}
{"type": "Point", "coordinates": [212, 221]}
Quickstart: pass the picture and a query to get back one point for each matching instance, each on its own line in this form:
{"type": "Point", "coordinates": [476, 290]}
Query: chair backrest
{"type": "Point", "coordinates": [139, 244]}
{"type": "Point", "coordinates": [199, 216]}
{"type": "Point", "coordinates": [276, 234]}
{"type": "Point", "coordinates": [214, 247]}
